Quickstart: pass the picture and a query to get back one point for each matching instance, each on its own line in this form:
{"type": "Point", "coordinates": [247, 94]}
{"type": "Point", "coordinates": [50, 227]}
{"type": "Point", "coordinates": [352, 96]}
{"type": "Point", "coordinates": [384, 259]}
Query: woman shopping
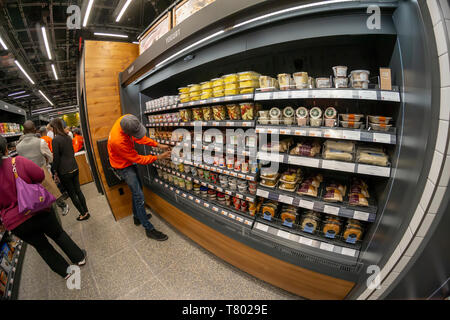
{"type": "Point", "coordinates": [34, 227]}
{"type": "Point", "coordinates": [66, 167]}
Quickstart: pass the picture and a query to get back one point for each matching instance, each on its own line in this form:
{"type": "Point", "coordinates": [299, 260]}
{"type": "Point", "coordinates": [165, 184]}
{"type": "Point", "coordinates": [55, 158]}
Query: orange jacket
{"type": "Point", "coordinates": [121, 148]}
{"type": "Point", "coordinates": [77, 142]}
{"type": "Point", "coordinates": [49, 142]}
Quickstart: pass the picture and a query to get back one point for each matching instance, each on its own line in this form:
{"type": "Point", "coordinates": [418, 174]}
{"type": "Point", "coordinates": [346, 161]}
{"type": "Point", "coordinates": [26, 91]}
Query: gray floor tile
{"type": "Point", "coordinates": [121, 273]}
{"type": "Point", "coordinates": [151, 290]}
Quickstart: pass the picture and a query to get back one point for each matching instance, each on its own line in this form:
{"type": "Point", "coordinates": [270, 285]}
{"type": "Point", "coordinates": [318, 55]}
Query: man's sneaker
{"type": "Point", "coordinates": [137, 222]}
{"type": "Point", "coordinates": [83, 262]}
{"type": "Point", "coordinates": [156, 235]}
{"type": "Point", "coordinates": [65, 210]}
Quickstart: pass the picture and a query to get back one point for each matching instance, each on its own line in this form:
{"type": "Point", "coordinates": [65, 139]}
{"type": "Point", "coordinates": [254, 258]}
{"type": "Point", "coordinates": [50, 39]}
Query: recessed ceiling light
{"type": "Point", "coordinates": [125, 6]}
{"type": "Point", "coordinates": [110, 35]}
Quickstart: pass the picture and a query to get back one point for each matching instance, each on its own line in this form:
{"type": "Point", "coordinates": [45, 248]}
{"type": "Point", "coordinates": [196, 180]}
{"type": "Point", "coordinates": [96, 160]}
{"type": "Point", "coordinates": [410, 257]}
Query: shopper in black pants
{"type": "Point", "coordinates": [66, 167]}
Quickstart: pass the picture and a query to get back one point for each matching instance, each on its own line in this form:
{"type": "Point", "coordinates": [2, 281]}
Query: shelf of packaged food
{"type": "Point", "coordinates": [232, 98]}
{"type": "Point", "coordinates": [240, 175]}
{"type": "Point", "coordinates": [320, 163]}
{"type": "Point", "coordinates": [11, 135]}
{"type": "Point", "coordinates": [162, 108]}
{"type": "Point", "coordinates": [297, 240]}
{"type": "Point", "coordinates": [332, 133]}
{"type": "Point", "coordinates": [358, 94]}
{"type": "Point", "coordinates": [225, 123]}
{"type": "Point", "coordinates": [12, 273]}
{"type": "Point", "coordinates": [226, 213]}
{"type": "Point", "coordinates": [209, 184]}
{"type": "Point", "coordinates": [340, 210]}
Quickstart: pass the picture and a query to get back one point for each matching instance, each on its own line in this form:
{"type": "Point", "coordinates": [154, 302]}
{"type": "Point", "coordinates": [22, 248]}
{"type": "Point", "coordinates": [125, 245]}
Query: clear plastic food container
{"type": "Point", "coordinates": [205, 96]}
{"type": "Point", "coordinates": [233, 77]}
{"type": "Point", "coordinates": [301, 80]}
{"type": "Point", "coordinates": [351, 124]}
{"type": "Point", "coordinates": [341, 82]}
{"type": "Point", "coordinates": [194, 87]}
{"type": "Point", "coordinates": [246, 90]}
{"type": "Point", "coordinates": [247, 111]}
{"type": "Point", "coordinates": [234, 112]}
{"type": "Point", "coordinates": [360, 84]}
{"type": "Point", "coordinates": [217, 82]}
{"type": "Point", "coordinates": [323, 83]}
{"type": "Point", "coordinates": [185, 115]}
{"type": "Point", "coordinates": [360, 75]}
{"type": "Point", "coordinates": [217, 94]}
{"type": "Point", "coordinates": [380, 126]}
{"type": "Point", "coordinates": [330, 113]}
{"type": "Point", "coordinates": [284, 80]}
{"type": "Point", "coordinates": [197, 114]}
{"type": "Point", "coordinates": [207, 113]}
{"type": "Point", "coordinates": [219, 113]}
{"type": "Point", "coordinates": [330, 123]}
{"type": "Point", "coordinates": [195, 94]}
{"type": "Point", "coordinates": [340, 71]}
{"type": "Point", "coordinates": [249, 84]}
{"type": "Point", "coordinates": [231, 92]}
{"type": "Point", "coordinates": [379, 119]}
{"type": "Point", "coordinates": [351, 117]}
{"type": "Point", "coordinates": [184, 96]}
{"type": "Point", "coordinates": [267, 83]}
{"type": "Point", "coordinates": [183, 90]}
{"type": "Point", "coordinates": [248, 75]}
{"type": "Point", "coordinates": [232, 85]}
{"type": "Point", "coordinates": [206, 85]}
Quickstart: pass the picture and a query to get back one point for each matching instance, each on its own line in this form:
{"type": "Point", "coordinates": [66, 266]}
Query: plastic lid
{"type": "Point", "coordinates": [301, 112]}
{"type": "Point", "coordinates": [288, 112]}
{"type": "Point", "coordinates": [275, 112]}
{"type": "Point", "coordinates": [315, 113]}
{"type": "Point", "coordinates": [355, 71]}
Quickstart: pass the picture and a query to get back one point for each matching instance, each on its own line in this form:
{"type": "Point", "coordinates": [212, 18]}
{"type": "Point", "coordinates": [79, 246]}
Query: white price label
{"type": "Point", "coordinates": [232, 216]}
{"type": "Point", "coordinates": [184, 195]}
{"type": "Point", "coordinates": [351, 135]}
{"type": "Point", "coordinates": [242, 176]}
{"type": "Point", "coordinates": [285, 131]}
{"type": "Point", "coordinates": [381, 137]}
{"type": "Point", "coordinates": [306, 241]}
{"type": "Point", "coordinates": [348, 252]}
{"type": "Point", "coordinates": [338, 165]}
{"type": "Point", "coordinates": [219, 170]}
{"type": "Point", "coordinates": [326, 246]}
{"type": "Point", "coordinates": [331, 210]}
{"type": "Point", "coordinates": [360, 215]}
{"type": "Point", "coordinates": [299, 94]}
{"type": "Point", "coordinates": [191, 198]}
{"type": "Point", "coordinates": [215, 209]}
{"type": "Point", "coordinates": [247, 222]}
{"type": "Point", "coordinates": [197, 200]}
{"type": "Point", "coordinates": [262, 193]}
{"type": "Point", "coordinates": [284, 95]}
{"type": "Point", "coordinates": [262, 227]}
{"type": "Point", "coordinates": [215, 123]}
{"type": "Point", "coordinates": [240, 196]}
{"type": "Point", "coordinates": [300, 132]}
{"type": "Point", "coordinates": [329, 133]}
{"type": "Point", "coordinates": [219, 189]}
{"type": "Point", "coordinates": [230, 124]}
{"type": "Point", "coordinates": [206, 205]}
{"type": "Point", "coordinates": [285, 199]}
{"type": "Point", "coordinates": [367, 94]}
{"type": "Point", "coordinates": [283, 234]}
{"type": "Point", "coordinates": [239, 219]}
{"type": "Point", "coordinates": [223, 212]}
{"type": "Point", "coordinates": [247, 124]}
{"type": "Point", "coordinates": [303, 161]}
{"type": "Point", "coordinates": [321, 94]}
{"type": "Point", "coordinates": [374, 170]}
{"type": "Point", "coordinates": [306, 204]}
{"type": "Point", "coordinates": [228, 192]}
{"type": "Point", "coordinates": [177, 191]}
{"type": "Point", "coordinates": [263, 96]}
{"type": "Point", "coordinates": [315, 133]}
{"type": "Point", "coordinates": [390, 96]}
{"type": "Point", "coordinates": [272, 130]}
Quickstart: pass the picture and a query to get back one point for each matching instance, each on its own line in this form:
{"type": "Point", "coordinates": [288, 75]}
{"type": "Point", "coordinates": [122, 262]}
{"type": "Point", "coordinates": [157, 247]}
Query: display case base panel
{"type": "Point", "coordinates": [300, 281]}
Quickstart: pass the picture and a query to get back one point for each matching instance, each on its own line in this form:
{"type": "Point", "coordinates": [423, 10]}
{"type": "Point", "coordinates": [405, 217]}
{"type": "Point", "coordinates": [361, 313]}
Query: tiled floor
{"type": "Point", "coordinates": [124, 264]}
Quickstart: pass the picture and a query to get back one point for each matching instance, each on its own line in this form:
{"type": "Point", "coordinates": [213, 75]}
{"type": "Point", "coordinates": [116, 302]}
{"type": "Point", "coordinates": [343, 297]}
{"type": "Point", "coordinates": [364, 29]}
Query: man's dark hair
{"type": "Point", "coordinates": [43, 131]}
{"type": "Point", "coordinates": [29, 127]}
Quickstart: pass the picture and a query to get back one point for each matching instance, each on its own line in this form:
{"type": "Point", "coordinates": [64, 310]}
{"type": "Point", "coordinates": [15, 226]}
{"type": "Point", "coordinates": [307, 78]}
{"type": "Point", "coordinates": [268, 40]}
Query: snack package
{"type": "Point", "coordinates": [247, 111]}
{"type": "Point", "coordinates": [197, 114]}
{"type": "Point", "coordinates": [207, 113]}
{"type": "Point", "coordinates": [372, 156]}
{"type": "Point", "coordinates": [357, 199]}
{"type": "Point", "coordinates": [219, 113]}
{"type": "Point", "coordinates": [234, 112]}
{"type": "Point", "coordinates": [331, 154]}
{"type": "Point", "coordinates": [346, 146]}
{"type": "Point", "coordinates": [307, 189]}
{"type": "Point", "coordinates": [306, 149]}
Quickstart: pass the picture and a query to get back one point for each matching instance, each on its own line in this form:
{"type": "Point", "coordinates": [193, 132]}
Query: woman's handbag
{"type": "Point", "coordinates": [31, 198]}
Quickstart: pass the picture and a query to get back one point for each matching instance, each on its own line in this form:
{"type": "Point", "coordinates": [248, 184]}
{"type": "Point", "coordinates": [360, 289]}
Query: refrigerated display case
{"type": "Point", "coordinates": [399, 125]}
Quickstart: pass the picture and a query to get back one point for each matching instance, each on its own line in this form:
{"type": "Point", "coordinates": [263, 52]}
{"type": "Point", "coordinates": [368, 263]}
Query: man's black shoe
{"type": "Point", "coordinates": [137, 222]}
{"type": "Point", "coordinates": [156, 235]}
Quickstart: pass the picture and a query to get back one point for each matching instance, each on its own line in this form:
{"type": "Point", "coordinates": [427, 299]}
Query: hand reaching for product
{"type": "Point", "coordinates": [163, 146]}
{"type": "Point", "coordinates": [165, 155]}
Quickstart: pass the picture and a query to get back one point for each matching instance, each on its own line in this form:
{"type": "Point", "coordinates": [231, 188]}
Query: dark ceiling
{"type": "Point", "coordinates": [20, 29]}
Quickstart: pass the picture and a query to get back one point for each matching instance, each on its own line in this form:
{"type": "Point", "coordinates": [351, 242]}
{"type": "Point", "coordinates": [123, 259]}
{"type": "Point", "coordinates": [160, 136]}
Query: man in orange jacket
{"type": "Point", "coordinates": [126, 131]}
{"type": "Point", "coordinates": [45, 137]}
{"type": "Point", "coordinates": [77, 141]}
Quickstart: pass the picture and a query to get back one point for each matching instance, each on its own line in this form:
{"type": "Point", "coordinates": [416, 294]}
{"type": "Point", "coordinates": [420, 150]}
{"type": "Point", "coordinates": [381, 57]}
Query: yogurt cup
{"type": "Point", "coordinates": [340, 71]}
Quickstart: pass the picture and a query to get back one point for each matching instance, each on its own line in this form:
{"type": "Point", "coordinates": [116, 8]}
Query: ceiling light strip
{"type": "Point", "coordinates": [23, 71]}
{"type": "Point", "coordinates": [88, 12]}
{"type": "Point", "coordinates": [25, 95]}
{"type": "Point", "coordinates": [51, 103]}
{"type": "Point", "coordinates": [54, 72]}
{"type": "Point", "coordinates": [110, 35]}
{"type": "Point", "coordinates": [15, 93]}
{"type": "Point", "coordinates": [47, 47]}
{"type": "Point", "coordinates": [3, 44]}
{"type": "Point", "coordinates": [123, 10]}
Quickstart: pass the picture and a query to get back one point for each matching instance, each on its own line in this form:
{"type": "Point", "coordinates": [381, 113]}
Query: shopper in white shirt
{"type": "Point", "coordinates": [69, 133]}
{"type": "Point", "coordinates": [50, 131]}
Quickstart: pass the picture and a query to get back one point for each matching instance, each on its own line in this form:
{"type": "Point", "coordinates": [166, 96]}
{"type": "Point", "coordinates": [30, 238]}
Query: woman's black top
{"type": "Point", "coordinates": [63, 155]}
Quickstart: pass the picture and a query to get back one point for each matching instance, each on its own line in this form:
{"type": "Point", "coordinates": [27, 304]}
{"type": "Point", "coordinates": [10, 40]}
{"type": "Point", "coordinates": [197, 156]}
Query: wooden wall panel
{"type": "Point", "coordinates": [301, 281]}
{"type": "Point", "coordinates": [85, 172]}
{"type": "Point", "coordinates": [103, 62]}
